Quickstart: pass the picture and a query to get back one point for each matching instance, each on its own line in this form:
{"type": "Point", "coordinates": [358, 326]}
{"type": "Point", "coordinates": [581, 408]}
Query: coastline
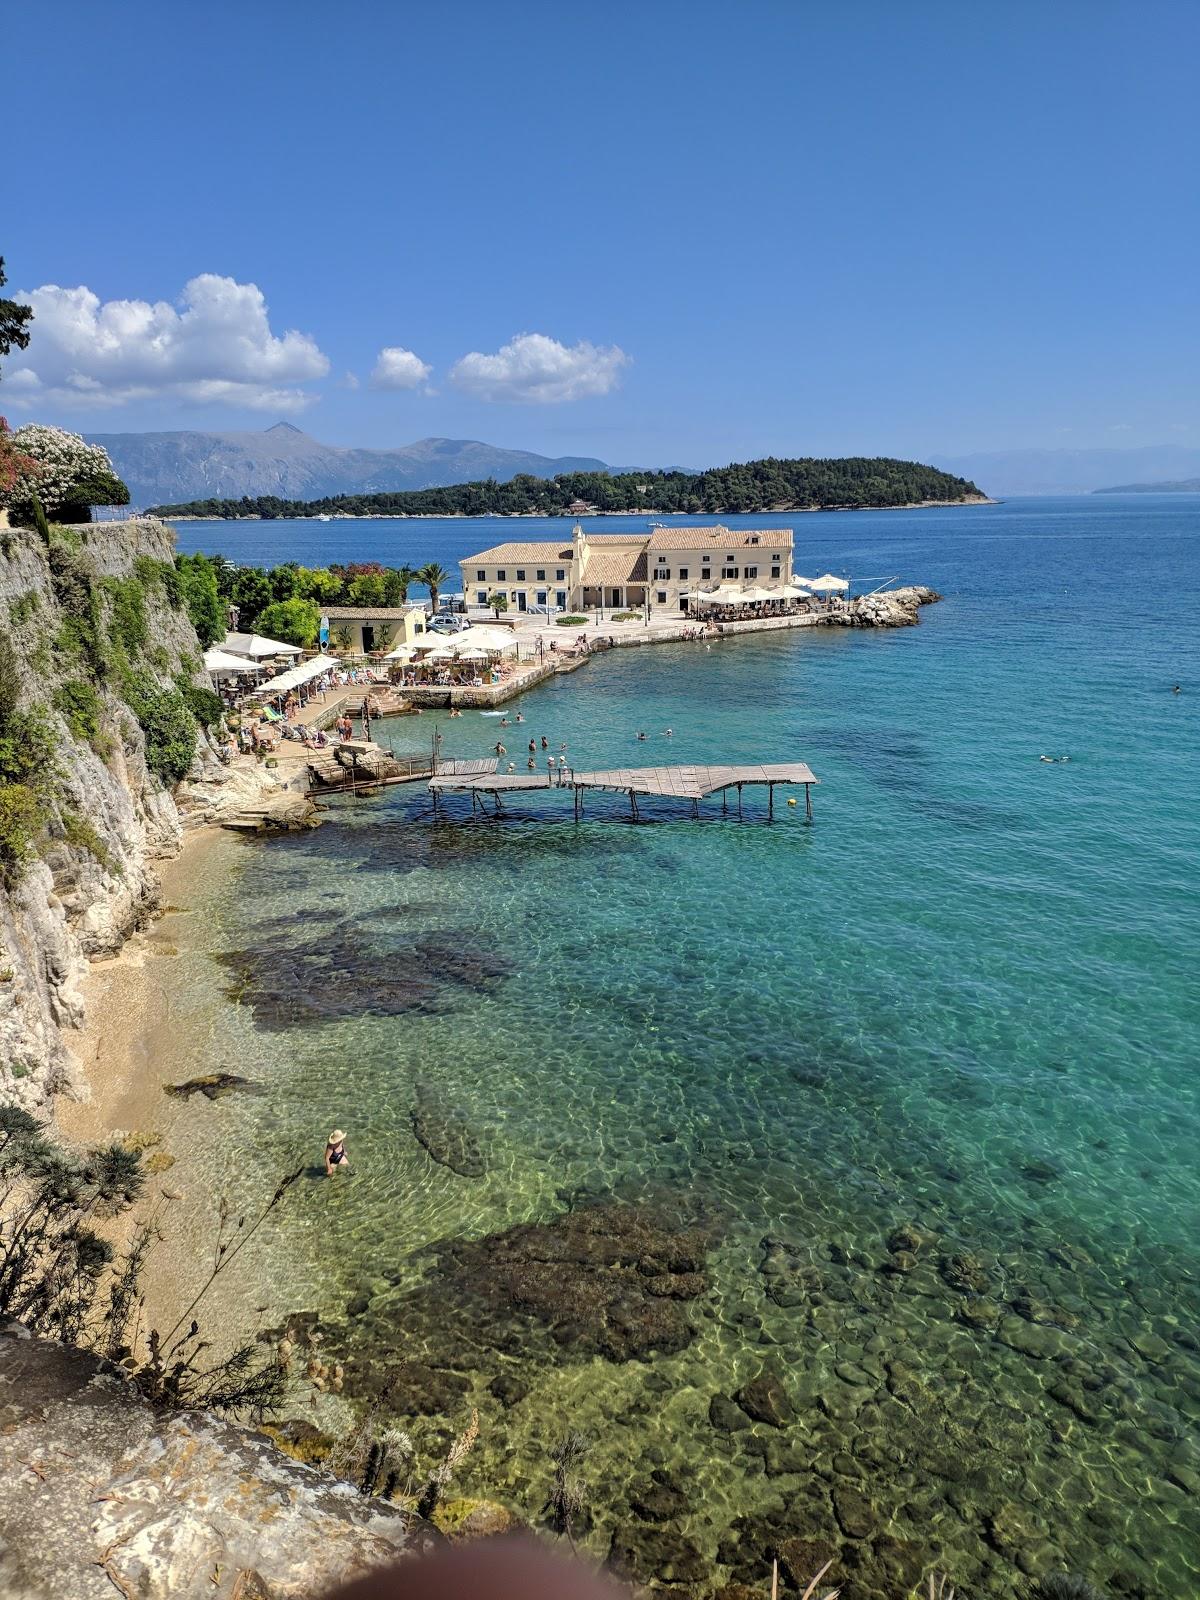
{"type": "Point", "coordinates": [541, 516]}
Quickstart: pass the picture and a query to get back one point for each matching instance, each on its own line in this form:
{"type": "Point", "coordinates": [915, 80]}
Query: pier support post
{"type": "Point", "coordinates": [576, 802]}
{"type": "Point", "coordinates": [739, 790]}
{"type": "Point", "coordinates": [808, 802]}
{"type": "Point", "coordinates": [770, 802]}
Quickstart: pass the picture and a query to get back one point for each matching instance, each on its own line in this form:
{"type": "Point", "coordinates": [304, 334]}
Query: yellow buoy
{"type": "Point", "coordinates": [792, 800]}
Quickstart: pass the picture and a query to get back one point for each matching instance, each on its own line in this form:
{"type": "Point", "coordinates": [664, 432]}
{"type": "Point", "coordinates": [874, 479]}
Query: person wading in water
{"type": "Point", "coordinates": [335, 1152]}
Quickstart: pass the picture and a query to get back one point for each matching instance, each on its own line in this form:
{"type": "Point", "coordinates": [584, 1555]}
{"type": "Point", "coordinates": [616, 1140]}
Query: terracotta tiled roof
{"type": "Point", "coordinates": [624, 563]}
{"type": "Point", "coordinates": [368, 613]}
{"type": "Point", "coordinates": [715, 537]}
{"type": "Point", "coordinates": [507, 554]}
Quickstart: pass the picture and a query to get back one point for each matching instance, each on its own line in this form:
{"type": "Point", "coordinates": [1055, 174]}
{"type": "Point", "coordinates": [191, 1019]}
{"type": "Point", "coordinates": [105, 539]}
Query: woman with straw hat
{"type": "Point", "coordinates": [335, 1152]}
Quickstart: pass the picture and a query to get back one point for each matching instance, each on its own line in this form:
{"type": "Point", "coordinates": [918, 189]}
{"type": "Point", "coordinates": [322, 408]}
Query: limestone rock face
{"type": "Point", "coordinates": [95, 882]}
{"type": "Point", "coordinates": [102, 1495]}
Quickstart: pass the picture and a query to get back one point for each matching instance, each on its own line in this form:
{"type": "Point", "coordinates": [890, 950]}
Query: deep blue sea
{"type": "Point", "coordinates": [926, 1071]}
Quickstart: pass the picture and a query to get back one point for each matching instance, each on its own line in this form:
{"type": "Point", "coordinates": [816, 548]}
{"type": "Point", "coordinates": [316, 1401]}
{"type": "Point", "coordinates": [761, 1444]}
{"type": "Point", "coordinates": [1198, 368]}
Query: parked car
{"type": "Point", "coordinates": [446, 624]}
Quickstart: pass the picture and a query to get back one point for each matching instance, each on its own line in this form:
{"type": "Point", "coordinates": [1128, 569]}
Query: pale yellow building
{"type": "Point", "coordinates": [627, 571]}
{"type": "Point", "coordinates": [362, 629]}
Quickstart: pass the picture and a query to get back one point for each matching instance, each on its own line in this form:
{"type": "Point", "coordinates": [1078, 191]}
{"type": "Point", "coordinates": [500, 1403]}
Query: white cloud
{"type": "Point", "coordinates": [216, 348]}
{"type": "Point", "coordinates": [539, 370]}
{"type": "Point", "coordinates": [398, 368]}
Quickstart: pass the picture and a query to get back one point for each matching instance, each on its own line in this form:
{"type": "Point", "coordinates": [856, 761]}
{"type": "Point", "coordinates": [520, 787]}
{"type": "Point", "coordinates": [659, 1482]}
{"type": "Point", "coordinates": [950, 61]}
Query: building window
{"type": "Point", "coordinates": [662, 572]}
{"type": "Point", "coordinates": [729, 572]}
{"type": "Point", "coordinates": [541, 597]}
{"type": "Point", "coordinates": [705, 572]}
{"type": "Point", "coordinates": [753, 539]}
{"type": "Point", "coordinates": [541, 574]}
{"type": "Point", "coordinates": [559, 574]}
{"type": "Point", "coordinates": [481, 577]}
{"type": "Point", "coordinates": [500, 574]}
{"type": "Point", "coordinates": [774, 572]}
{"type": "Point", "coordinates": [752, 572]}
{"type": "Point", "coordinates": [662, 597]}
{"type": "Point", "coordinates": [560, 599]}
{"type": "Point", "coordinates": [683, 572]}
{"type": "Point", "coordinates": [481, 597]}
{"type": "Point", "coordinates": [520, 574]}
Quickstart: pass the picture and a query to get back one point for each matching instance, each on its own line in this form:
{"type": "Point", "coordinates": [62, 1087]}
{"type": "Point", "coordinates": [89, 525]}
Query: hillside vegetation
{"type": "Point", "coordinates": [854, 482]}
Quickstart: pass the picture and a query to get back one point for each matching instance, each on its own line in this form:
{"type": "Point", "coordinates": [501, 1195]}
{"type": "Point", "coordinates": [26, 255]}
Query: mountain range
{"type": "Point", "coordinates": [1016, 472]}
{"type": "Point", "coordinates": [282, 460]}
{"type": "Point", "coordinates": [1170, 486]}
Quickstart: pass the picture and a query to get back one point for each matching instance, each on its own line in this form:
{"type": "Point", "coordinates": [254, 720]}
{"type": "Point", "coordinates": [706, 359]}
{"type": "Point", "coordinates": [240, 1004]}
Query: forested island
{"type": "Point", "coordinates": [804, 484]}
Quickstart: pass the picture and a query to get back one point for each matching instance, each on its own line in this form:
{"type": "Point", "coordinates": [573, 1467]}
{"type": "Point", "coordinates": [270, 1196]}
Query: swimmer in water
{"type": "Point", "coordinates": [641, 735]}
{"type": "Point", "coordinates": [335, 1153]}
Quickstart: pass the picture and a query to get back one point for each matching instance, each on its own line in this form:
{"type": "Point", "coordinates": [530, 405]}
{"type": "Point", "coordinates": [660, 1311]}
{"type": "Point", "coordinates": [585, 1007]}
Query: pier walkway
{"type": "Point", "coordinates": [692, 783]}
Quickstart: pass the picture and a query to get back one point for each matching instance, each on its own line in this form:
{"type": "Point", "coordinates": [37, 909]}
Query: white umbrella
{"type": "Point", "coordinates": [476, 655]}
{"type": "Point", "coordinates": [402, 652]}
{"type": "Point", "coordinates": [219, 663]}
{"type": "Point", "coordinates": [804, 583]}
{"type": "Point", "coordinates": [485, 638]}
{"type": "Point", "coordinates": [727, 595]}
{"type": "Point", "coordinates": [828, 582]}
{"type": "Point", "coordinates": [794, 592]}
{"type": "Point", "coordinates": [755, 596]}
{"type": "Point", "coordinates": [254, 646]}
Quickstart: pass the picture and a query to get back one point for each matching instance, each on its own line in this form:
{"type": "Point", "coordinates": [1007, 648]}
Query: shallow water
{"type": "Point", "coordinates": [965, 999]}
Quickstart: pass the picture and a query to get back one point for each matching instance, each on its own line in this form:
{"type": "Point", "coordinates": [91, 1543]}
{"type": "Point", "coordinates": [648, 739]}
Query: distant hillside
{"type": "Point", "coordinates": [806, 484]}
{"type": "Point", "coordinates": [1072, 471]}
{"type": "Point", "coordinates": [283, 461]}
{"type": "Point", "coordinates": [1172, 486]}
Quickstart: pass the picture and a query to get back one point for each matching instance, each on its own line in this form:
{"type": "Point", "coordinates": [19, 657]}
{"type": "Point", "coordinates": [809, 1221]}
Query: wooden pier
{"type": "Point", "coordinates": [691, 783]}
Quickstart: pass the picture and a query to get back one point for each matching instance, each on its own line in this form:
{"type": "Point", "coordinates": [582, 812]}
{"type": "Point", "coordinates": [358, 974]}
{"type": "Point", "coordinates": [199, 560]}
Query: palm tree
{"type": "Point", "coordinates": [395, 584]}
{"type": "Point", "coordinates": [435, 578]}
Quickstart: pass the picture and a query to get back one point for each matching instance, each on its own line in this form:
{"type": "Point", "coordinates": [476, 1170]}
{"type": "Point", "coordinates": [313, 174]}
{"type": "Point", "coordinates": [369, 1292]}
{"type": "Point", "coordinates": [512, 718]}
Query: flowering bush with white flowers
{"type": "Point", "coordinates": [69, 476]}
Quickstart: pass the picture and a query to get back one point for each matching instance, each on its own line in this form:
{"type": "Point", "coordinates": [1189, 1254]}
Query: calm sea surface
{"type": "Point", "coordinates": [923, 1076]}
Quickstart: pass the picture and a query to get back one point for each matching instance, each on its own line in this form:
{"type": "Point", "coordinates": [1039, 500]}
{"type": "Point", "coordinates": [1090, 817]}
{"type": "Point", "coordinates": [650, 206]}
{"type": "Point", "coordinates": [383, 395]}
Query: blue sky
{"type": "Point", "coordinates": [740, 229]}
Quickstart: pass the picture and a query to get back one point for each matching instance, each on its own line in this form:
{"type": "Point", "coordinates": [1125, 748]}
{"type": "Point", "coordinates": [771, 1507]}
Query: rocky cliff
{"type": "Point", "coordinates": [103, 750]}
{"type": "Point", "coordinates": [101, 1495]}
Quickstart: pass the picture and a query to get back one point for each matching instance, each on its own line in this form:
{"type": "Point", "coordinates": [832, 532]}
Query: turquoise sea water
{"type": "Point", "coordinates": [964, 1001]}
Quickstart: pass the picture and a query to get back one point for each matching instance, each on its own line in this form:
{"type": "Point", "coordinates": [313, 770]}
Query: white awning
{"type": "Point", "coordinates": [485, 638]}
{"type": "Point", "coordinates": [295, 676]}
{"type": "Point", "coordinates": [219, 663]}
{"type": "Point", "coordinates": [254, 646]}
{"type": "Point", "coordinates": [827, 582]}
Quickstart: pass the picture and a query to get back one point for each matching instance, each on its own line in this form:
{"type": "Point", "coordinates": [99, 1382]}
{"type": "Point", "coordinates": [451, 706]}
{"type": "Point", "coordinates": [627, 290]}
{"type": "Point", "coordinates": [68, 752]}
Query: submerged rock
{"type": "Point", "coordinates": [765, 1399]}
{"type": "Point", "coordinates": [213, 1085]}
{"type": "Point", "coordinates": [445, 1136]}
{"type": "Point", "coordinates": [966, 1273]}
{"type": "Point", "coordinates": [578, 1276]}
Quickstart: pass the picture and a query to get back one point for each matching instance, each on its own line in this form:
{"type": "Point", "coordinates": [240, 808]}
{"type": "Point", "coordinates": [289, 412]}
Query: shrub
{"type": "Point", "coordinates": [24, 608]}
{"type": "Point", "coordinates": [205, 706]}
{"type": "Point", "coordinates": [79, 831]}
{"type": "Point", "coordinates": [80, 705]}
{"type": "Point", "coordinates": [197, 581]}
{"type": "Point", "coordinates": [569, 622]}
{"type": "Point", "coordinates": [71, 476]}
{"type": "Point", "coordinates": [127, 627]}
{"type": "Point", "coordinates": [22, 817]}
{"type": "Point", "coordinates": [168, 725]}
{"type": "Point", "coordinates": [74, 589]}
{"type": "Point", "coordinates": [293, 621]}
{"type": "Point", "coordinates": [627, 616]}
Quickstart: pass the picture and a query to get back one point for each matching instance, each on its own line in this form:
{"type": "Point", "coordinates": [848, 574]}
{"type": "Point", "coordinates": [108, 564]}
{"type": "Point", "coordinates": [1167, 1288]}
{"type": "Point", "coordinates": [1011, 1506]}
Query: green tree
{"type": "Point", "coordinates": [395, 585]}
{"type": "Point", "coordinates": [319, 584]}
{"type": "Point", "coordinates": [366, 590]}
{"type": "Point", "coordinates": [14, 321]}
{"type": "Point", "coordinates": [435, 578]}
{"type": "Point", "coordinates": [498, 602]}
{"type": "Point", "coordinates": [292, 621]}
{"type": "Point", "coordinates": [250, 592]}
{"type": "Point", "coordinates": [198, 580]}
